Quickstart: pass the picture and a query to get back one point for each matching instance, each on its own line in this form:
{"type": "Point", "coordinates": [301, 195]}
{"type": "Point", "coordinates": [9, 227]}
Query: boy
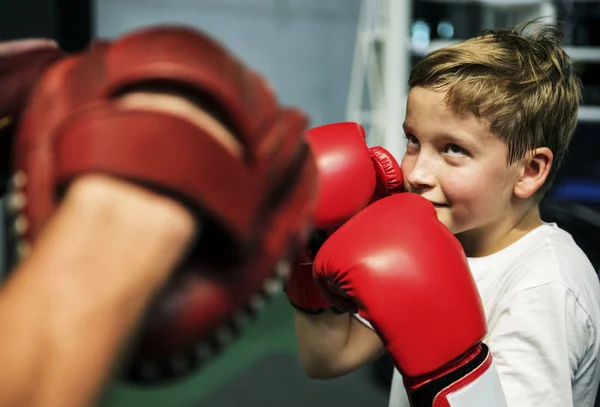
{"type": "Point", "coordinates": [488, 123]}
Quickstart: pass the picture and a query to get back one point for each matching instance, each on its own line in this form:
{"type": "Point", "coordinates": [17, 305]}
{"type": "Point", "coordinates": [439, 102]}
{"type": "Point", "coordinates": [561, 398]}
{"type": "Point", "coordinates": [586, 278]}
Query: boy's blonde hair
{"type": "Point", "coordinates": [523, 84]}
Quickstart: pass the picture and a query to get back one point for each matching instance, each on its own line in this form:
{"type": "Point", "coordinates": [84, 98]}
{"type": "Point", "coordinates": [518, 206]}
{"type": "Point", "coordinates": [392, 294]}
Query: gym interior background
{"type": "Point", "coordinates": [338, 60]}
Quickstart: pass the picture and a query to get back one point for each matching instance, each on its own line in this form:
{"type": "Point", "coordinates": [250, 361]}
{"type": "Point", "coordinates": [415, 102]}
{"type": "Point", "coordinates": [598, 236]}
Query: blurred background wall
{"type": "Point", "coordinates": [338, 60]}
{"type": "Point", "coordinates": [304, 47]}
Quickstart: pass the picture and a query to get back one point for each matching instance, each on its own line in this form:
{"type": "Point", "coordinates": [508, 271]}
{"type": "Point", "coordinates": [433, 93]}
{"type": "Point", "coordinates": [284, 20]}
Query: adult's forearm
{"type": "Point", "coordinates": [66, 312]}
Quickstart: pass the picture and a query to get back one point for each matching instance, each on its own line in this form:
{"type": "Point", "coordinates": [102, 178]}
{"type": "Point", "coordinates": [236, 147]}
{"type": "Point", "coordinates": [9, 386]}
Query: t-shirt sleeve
{"type": "Point", "coordinates": [538, 340]}
{"type": "Point", "coordinates": [364, 321]}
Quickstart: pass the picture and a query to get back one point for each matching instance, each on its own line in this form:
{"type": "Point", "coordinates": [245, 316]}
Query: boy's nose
{"type": "Point", "coordinates": [421, 175]}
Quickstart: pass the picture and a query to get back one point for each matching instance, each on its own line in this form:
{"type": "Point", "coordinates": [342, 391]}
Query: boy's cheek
{"type": "Point", "coordinates": [462, 187]}
{"type": "Point", "coordinates": [467, 195]}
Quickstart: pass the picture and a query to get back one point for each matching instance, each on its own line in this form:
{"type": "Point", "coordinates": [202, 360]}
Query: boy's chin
{"type": "Point", "coordinates": [445, 216]}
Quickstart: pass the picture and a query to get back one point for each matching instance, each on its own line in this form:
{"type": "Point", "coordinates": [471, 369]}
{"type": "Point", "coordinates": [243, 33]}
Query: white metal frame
{"type": "Point", "coordinates": [380, 71]}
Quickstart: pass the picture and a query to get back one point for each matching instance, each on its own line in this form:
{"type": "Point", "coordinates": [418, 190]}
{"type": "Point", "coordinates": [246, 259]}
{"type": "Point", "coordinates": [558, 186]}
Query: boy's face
{"type": "Point", "coordinates": [457, 164]}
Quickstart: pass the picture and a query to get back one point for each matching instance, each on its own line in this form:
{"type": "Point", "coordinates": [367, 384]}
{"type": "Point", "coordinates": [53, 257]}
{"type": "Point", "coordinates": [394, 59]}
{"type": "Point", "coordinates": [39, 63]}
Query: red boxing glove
{"type": "Point", "coordinates": [351, 176]}
{"type": "Point", "coordinates": [403, 271]}
{"type": "Point", "coordinates": [388, 174]}
{"type": "Point", "coordinates": [254, 197]}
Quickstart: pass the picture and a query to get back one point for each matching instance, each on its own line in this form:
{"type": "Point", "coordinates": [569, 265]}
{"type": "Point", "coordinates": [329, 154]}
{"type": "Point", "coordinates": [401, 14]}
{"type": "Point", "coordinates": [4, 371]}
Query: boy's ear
{"type": "Point", "coordinates": [535, 168]}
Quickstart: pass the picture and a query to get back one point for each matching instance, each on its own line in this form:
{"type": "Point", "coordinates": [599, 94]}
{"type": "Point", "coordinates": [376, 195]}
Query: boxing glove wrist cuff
{"type": "Point", "coordinates": [477, 377]}
{"type": "Point", "coordinates": [301, 289]}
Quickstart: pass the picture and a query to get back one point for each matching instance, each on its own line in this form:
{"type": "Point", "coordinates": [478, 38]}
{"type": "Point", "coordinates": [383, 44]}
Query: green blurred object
{"type": "Point", "coordinates": [272, 332]}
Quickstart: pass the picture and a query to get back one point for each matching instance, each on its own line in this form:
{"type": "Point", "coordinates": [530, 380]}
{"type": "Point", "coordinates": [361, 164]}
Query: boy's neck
{"type": "Point", "coordinates": [496, 236]}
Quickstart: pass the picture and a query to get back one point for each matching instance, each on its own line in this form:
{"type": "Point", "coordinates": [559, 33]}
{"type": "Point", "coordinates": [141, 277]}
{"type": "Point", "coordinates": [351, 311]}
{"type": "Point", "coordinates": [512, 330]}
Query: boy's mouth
{"type": "Point", "coordinates": [439, 205]}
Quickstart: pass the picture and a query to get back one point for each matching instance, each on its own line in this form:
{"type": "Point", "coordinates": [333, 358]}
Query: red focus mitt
{"type": "Point", "coordinates": [255, 203]}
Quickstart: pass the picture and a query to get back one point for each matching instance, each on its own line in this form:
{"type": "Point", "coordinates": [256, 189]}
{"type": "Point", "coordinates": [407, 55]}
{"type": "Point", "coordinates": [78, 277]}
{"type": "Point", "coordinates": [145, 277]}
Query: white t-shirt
{"type": "Point", "coordinates": [542, 302]}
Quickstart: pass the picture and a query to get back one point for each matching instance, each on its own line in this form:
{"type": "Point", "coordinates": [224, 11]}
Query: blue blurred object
{"type": "Point", "coordinates": [420, 35]}
{"type": "Point", "coordinates": [445, 30]}
{"type": "Point", "coordinates": [577, 189]}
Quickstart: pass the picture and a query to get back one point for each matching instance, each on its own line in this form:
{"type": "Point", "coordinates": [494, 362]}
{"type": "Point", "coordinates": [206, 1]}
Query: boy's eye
{"type": "Point", "coordinates": [455, 149]}
{"type": "Point", "coordinates": [411, 140]}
